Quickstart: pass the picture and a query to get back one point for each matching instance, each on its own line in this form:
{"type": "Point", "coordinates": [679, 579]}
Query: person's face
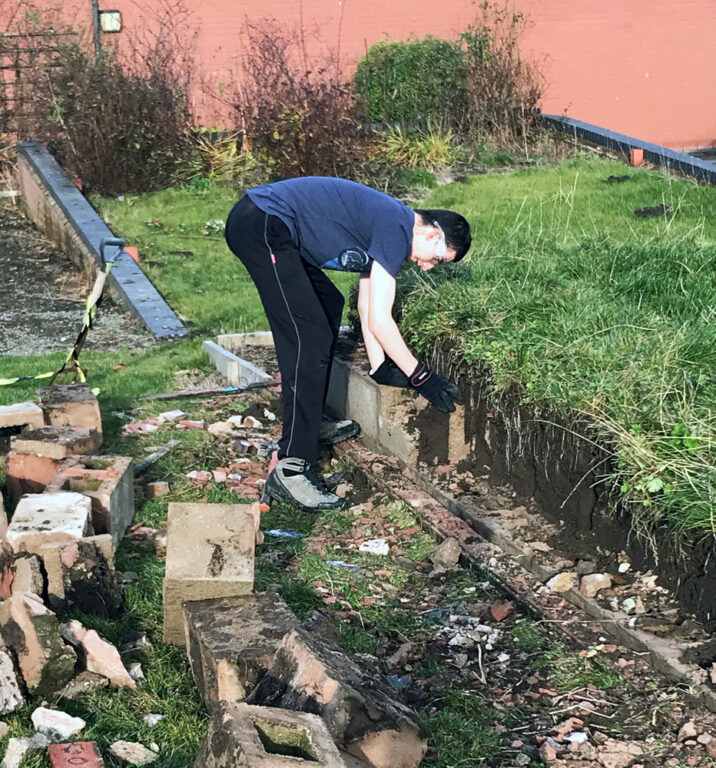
{"type": "Point", "coordinates": [429, 248]}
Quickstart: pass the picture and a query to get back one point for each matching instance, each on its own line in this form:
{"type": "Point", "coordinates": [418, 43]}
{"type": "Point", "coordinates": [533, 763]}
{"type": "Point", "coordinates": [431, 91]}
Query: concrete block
{"type": "Point", "coordinates": [11, 696]}
{"type": "Point", "coordinates": [354, 396]}
{"type": "Point", "coordinates": [44, 518]}
{"type": "Point", "coordinates": [78, 753]}
{"type": "Point", "coordinates": [361, 711]}
{"type": "Point", "coordinates": [210, 553]}
{"type": "Point", "coordinates": [80, 576]}
{"type": "Point", "coordinates": [56, 442]}
{"type": "Point", "coordinates": [235, 370]}
{"type": "Point", "coordinates": [72, 405]}
{"type": "Point", "coordinates": [27, 473]}
{"type": "Point", "coordinates": [237, 342]}
{"type": "Point", "coordinates": [109, 482]}
{"type": "Point", "coordinates": [21, 415]}
{"type": "Point", "coordinates": [32, 631]}
{"type": "Point", "coordinates": [232, 641]}
{"type": "Point", "coordinates": [242, 736]}
{"type": "Point", "coordinates": [396, 409]}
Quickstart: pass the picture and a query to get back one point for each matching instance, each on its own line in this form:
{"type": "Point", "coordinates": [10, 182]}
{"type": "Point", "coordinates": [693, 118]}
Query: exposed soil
{"type": "Point", "coordinates": [43, 294]}
{"type": "Point", "coordinates": [448, 640]}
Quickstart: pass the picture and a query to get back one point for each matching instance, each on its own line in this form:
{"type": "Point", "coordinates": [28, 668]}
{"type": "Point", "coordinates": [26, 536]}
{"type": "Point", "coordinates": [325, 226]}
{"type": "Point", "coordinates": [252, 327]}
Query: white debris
{"type": "Point", "coordinates": [56, 725]}
{"type": "Point", "coordinates": [375, 547]}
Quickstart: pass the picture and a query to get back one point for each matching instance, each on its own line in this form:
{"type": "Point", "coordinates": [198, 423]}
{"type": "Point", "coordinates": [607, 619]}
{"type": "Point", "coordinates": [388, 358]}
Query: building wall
{"type": "Point", "coordinates": [641, 67]}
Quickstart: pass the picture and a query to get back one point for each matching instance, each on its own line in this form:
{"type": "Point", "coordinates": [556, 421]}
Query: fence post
{"type": "Point", "coordinates": [95, 24]}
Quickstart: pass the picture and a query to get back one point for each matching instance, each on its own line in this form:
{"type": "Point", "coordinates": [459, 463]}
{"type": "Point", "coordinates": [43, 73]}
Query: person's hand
{"type": "Point", "coordinates": [388, 374]}
{"type": "Point", "coordinates": [439, 390]}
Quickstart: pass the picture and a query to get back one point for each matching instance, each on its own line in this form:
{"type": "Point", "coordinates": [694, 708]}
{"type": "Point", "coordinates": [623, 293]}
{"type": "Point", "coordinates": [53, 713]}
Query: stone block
{"type": "Point", "coordinates": [11, 696]}
{"type": "Point", "coordinates": [210, 553]}
{"type": "Point", "coordinates": [359, 708]}
{"type": "Point", "coordinates": [156, 489]}
{"type": "Point", "coordinates": [72, 405]}
{"type": "Point", "coordinates": [232, 641]}
{"type": "Point", "coordinates": [82, 754]}
{"type": "Point", "coordinates": [21, 415]}
{"type": "Point", "coordinates": [32, 632]}
{"type": "Point", "coordinates": [27, 473]}
{"type": "Point", "coordinates": [56, 442]}
{"type": "Point", "coordinates": [109, 482]}
{"type": "Point", "coordinates": [45, 518]}
{"type": "Point", "coordinates": [81, 577]}
{"type": "Point", "coordinates": [242, 736]}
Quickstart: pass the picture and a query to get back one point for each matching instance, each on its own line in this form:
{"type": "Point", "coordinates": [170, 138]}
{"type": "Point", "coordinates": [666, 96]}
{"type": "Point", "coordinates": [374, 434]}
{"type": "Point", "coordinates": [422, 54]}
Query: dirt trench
{"type": "Point", "coordinates": [559, 469]}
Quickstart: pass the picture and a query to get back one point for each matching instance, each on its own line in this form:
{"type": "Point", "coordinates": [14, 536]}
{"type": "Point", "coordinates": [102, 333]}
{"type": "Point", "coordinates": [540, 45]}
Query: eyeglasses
{"type": "Point", "coordinates": [441, 248]}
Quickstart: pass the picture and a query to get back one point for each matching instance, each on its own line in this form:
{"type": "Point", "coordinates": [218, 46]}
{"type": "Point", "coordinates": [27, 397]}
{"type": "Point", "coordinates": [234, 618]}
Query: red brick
{"type": "Point", "coordinates": [29, 474]}
{"type": "Point", "coordinates": [78, 754]}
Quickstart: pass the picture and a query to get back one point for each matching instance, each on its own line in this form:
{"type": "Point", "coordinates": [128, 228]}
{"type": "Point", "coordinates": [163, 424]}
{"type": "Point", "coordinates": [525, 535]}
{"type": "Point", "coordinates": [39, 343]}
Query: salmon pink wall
{"type": "Point", "coordinates": [641, 67]}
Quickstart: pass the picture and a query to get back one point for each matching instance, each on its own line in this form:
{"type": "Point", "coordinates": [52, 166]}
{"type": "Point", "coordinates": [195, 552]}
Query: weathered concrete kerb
{"type": "Point", "coordinates": [65, 216]}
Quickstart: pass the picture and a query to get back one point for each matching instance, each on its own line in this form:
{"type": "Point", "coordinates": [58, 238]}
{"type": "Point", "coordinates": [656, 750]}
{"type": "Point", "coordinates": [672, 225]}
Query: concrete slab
{"type": "Point", "coordinates": [72, 405]}
{"type": "Point", "coordinates": [210, 553]}
{"type": "Point", "coordinates": [109, 482]}
{"type": "Point", "coordinates": [242, 736]}
{"type": "Point", "coordinates": [21, 414]}
{"type": "Point", "coordinates": [47, 517]}
{"type": "Point", "coordinates": [231, 642]}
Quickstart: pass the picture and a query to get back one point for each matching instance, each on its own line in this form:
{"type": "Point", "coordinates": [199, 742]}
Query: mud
{"type": "Point", "coordinates": [559, 467]}
{"type": "Point", "coordinates": [43, 294]}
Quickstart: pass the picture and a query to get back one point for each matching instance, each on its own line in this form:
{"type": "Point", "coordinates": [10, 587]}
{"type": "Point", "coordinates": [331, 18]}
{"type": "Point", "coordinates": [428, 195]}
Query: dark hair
{"type": "Point", "coordinates": [455, 227]}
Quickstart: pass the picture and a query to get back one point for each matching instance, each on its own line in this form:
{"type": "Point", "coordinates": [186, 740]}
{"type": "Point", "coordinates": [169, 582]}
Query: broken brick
{"type": "Point", "coordinates": [360, 710]}
{"type": "Point", "coordinates": [240, 734]}
{"type": "Point", "coordinates": [27, 473]}
{"type": "Point", "coordinates": [109, 482]}
{"type": "Point", "coordinates": [231, 642]}
{"type": "Point", "coordinates": [70, 404]}
{"type": "Point", "coordinates": [78, 754]}
{"type": "Point", "coordinates": [56, 442]}
{"type": "Point", "coordinates": [31, 631]}
{"type": "Point", "coordinates": [44, 518]}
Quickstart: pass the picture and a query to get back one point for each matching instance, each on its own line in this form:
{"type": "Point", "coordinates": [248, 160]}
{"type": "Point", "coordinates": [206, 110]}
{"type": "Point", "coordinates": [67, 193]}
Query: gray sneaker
{"type": "Point", "coordinates": [305, 489]}
{"type": "Point", "coordinates": [333, 432]}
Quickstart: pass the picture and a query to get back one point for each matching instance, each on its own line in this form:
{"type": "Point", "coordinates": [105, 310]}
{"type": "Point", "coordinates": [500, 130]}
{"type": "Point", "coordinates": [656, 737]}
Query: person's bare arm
{"type": "Point", "coordinates": [376, 354]}
{"type": "Point", "coordinates": [381, 326]}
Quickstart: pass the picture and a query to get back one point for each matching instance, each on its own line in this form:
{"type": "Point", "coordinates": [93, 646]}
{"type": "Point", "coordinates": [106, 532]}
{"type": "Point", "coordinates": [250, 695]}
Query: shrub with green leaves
{"type": "Point", "coordinates": [414, 80]}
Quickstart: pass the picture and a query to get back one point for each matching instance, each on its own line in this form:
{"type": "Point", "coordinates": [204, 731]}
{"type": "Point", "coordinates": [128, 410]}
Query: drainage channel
{"type": "Point", "coordinates": [388, 453]}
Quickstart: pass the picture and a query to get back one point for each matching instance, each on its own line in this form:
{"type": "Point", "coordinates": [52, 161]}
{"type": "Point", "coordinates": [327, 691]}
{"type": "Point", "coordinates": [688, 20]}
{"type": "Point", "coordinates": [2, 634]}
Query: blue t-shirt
{"type": "Point", "coordinates": [339, 224]}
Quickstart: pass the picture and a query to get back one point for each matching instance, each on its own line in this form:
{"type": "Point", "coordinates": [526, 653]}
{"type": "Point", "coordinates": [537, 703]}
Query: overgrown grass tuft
{"type": "Point", "coordinates": [591, 310]}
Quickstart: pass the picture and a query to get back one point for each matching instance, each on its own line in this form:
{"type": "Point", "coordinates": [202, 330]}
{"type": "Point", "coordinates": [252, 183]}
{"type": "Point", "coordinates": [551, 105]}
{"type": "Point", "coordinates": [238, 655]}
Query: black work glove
{"type": "Point", "coordinates": [439, 390]}
{"type": "Point", "coordinates": [390, 375]}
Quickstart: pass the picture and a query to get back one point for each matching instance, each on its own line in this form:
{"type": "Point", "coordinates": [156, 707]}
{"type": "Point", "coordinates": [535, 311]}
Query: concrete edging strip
{"type": "Point", "coordinates": [126, 279]}
{"type": "Point", "coordinates": [654, 153]}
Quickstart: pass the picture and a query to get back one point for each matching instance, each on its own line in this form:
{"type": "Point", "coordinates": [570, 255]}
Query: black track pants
{"type": "Point", "coordinates": [304, 311]}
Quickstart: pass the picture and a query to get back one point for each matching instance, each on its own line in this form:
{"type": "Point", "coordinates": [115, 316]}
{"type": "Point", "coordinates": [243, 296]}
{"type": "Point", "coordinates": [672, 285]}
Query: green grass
{"type": "Point", "coordinates": [209, 288]}
{"type": "Point", "coordinates": [590, 310]}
